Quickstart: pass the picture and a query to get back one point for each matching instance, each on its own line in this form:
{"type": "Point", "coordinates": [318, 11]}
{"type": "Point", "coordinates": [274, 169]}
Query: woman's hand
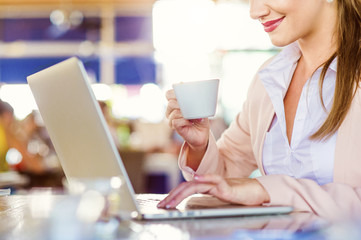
{"type": "Point", "coordinates": [244, 191]}
{"type": "Point", "coordinates": [194, 132]}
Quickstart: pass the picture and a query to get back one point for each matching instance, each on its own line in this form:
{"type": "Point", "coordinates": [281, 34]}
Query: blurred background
{"type": "Point", "coordinates": [133, 51]}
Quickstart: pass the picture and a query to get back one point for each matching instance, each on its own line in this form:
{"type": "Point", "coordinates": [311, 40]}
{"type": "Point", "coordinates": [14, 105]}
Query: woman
{"type": "Point", "coordinates": [6, 120]}
{"type": "Point", "coordinates": [300, 124]}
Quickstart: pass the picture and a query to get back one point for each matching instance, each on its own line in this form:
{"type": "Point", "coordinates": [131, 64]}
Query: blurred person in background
{"type": "Point", "coordinates": [35, 135]}
{"type": "Point", "coordinates": [300, 125]}
{"type": "Point", "coordinates": [6, 119]}
{"type": "Point", "coordinates": [110, 122]}
{"type": "Point", "coordinates": [14, 136]}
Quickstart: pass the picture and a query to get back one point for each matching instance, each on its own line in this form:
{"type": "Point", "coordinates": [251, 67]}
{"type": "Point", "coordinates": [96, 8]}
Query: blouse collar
{"type": "Point", "coordinates": [283, 63]}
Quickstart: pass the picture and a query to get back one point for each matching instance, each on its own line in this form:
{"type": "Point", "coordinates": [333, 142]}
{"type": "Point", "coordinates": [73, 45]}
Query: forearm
{"type": "Point", "coordinates": [195, 156]}
{"type": "Point", "coordinates": [208, 162]}
{"type": "Point", "coordinates": [331, 201]}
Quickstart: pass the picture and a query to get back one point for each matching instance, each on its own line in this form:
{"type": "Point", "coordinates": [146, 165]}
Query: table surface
{"type": "Point", "coordinates": [12, 179]}
{"type": "Point", "coordinates": [49, 216]}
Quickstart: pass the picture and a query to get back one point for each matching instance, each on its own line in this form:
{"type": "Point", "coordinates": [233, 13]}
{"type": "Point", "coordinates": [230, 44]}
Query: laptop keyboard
{"type": "Point", "coordinates": [149, 200]}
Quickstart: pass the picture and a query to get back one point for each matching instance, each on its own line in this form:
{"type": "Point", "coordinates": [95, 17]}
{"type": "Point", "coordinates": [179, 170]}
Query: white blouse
{"type": "Point", "coordinates": [302, 158]}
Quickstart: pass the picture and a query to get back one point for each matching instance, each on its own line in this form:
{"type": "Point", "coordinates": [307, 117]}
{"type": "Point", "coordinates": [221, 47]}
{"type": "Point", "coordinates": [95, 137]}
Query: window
{"type": "Point", "coordinates": [200, 39]}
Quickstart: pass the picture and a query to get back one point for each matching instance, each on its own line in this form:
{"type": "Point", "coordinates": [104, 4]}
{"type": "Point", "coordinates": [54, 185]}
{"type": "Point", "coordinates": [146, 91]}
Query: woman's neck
{"type": "Point", "coordinates": [320, 44]}
{"type": "Point", "coordinates": [316, 54]}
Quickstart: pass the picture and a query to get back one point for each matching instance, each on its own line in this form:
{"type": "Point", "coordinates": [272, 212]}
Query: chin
{"type": "Point", "coordinates": [280, 41]}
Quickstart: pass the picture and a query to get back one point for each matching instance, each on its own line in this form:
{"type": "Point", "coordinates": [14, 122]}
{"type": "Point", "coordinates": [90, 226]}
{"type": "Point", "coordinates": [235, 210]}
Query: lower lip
{"type": "Point", "coordinates": [273, 26]}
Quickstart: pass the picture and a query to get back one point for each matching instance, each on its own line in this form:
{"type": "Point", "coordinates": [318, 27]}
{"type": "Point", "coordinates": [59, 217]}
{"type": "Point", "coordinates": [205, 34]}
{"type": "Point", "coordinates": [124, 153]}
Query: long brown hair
{"type": "Point", "coordinates": [348, 77]}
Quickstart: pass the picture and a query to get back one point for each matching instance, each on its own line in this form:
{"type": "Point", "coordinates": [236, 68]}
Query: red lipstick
{"type": "Point", "coordinates": [269, 26]}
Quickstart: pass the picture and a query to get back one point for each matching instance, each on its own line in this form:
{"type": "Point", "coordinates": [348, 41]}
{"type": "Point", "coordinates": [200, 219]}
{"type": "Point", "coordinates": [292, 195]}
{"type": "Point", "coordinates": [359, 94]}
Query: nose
{"type": "Point", "coordinates": [258, 9]}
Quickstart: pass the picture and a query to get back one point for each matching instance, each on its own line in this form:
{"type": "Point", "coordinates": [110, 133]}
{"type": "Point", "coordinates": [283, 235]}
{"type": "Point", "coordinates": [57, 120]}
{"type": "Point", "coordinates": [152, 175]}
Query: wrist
{"type": "Point", "coordinates": [263, 193]}
{"type": "Point", "coordinates": [195, 156]}
{"type": "Point", "coordinates": [198, 149]}
{"type": "Point", "coordinates": [199, 144]}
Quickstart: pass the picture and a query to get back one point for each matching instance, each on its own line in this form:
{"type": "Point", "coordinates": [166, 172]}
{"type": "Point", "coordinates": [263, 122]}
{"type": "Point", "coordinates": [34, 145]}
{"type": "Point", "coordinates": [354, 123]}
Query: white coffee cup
{"type": "Point", "coordinates": [197, 99]}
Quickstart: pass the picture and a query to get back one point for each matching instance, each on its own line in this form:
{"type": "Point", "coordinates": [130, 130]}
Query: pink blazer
{"type": "Point", "coordinates": [239, 151]}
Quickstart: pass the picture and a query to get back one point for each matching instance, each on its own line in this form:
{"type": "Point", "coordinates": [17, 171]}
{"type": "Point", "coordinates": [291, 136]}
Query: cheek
{"type": "Point", "coordinates": [284, 35]}
{"type": "Point", "coordinates": [291, 30]}
{"type": "Point", "coordinates": [305, 21]}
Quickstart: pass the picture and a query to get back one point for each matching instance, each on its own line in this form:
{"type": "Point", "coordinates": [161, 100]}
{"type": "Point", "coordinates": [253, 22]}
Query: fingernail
{"type": "Point", "coordinates": [160, 204]}
{"type": "Point", "coordinates": [170, 205]}
{"type": "Point", "coordinates": [197, 177]}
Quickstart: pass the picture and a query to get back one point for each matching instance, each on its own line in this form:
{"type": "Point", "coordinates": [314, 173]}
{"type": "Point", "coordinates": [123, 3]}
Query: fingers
{"type": "Point", "coordinates": [165, 203]}
{"type": "Point", "coordinates": [197, 120]}
{"type": "Point", "coordinates": [179, 123]}
{"type": "Point", "coordinates": [172, 106]}
{"type": "Point", "coordinates": [210, 178]}
{"type": "Point", "coordinates": [178, 189]}
{"type": "Point", "coordinates": [176, 120]}
{"type": "Point", "coordinates": [183, 191]}
{"type": "Point", "coordinates": [193, 189]}
{"type": "Point", "coordinates": [238, 190]}
{"type": "Point", "coordinates": [170, 94]}
{"type": "Point", "coordinates": [200, 184]}
{"type": "Point", "coordinates": [173, 112]}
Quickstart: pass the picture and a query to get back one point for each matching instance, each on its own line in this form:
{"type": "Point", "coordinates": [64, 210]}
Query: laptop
{"type": "Point", "coordinates": [85, 148]}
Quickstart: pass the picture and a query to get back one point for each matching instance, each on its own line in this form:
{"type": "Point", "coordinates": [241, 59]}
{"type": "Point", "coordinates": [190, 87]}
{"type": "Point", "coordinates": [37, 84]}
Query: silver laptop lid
{"type": "Point", "coordinates": [77, 127]}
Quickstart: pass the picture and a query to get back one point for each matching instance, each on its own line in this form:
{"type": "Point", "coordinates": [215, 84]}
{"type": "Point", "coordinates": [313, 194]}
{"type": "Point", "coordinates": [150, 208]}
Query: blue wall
{"type": "Point", "coordinates": [130, 28]}
{"type": "Point", "coordinates": [15, 70]}
{"type": "Point", "coordinates": [128, 69]}
{"type": "Point", "coordinates": [41, 29]}
{"type": "Point", "coordinates": [135, 70]}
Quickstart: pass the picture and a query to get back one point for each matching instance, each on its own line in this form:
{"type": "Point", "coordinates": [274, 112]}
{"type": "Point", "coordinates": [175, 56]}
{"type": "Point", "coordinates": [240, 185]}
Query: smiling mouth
{"type": "Point", "coordinates": [269, 26]}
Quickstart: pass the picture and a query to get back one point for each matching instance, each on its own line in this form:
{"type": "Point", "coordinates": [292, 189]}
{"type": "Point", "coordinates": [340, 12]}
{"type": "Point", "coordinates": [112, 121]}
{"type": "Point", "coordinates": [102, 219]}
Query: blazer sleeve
{"type": "Point", "coordinates": [331, 201]}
